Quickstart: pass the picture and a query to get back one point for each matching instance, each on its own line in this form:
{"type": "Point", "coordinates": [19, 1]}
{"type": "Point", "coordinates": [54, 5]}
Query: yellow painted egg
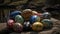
{"type": "Point", "coordinates": [37, 26]}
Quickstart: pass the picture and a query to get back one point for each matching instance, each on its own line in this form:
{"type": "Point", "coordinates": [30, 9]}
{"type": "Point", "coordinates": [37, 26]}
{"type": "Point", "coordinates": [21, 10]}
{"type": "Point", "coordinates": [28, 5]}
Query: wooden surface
{"type": "Point", "coordinates": [54, 30]}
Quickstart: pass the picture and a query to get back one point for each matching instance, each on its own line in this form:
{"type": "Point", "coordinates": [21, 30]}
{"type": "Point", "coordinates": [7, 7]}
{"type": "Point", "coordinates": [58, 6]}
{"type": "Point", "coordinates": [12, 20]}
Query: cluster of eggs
{"type": "Point", "coordinates": [30, 20]}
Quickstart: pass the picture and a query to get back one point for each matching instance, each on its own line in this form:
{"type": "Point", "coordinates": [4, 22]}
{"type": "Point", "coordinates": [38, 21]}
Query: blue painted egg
{"type": "Point", "coordinates": [34, 18]}
{"type": "Point", "coordinates": [14, 13]}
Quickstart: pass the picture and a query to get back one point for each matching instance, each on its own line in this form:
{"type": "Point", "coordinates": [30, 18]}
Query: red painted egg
{"type": "Point", "coordinates": [10, 23]}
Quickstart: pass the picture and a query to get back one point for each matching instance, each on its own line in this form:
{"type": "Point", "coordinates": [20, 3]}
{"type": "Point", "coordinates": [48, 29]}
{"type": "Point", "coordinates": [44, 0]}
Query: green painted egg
{"type": "Point", "coordinates": [47, 23]}
{"type": "Point", "coordinates": [19, 19]}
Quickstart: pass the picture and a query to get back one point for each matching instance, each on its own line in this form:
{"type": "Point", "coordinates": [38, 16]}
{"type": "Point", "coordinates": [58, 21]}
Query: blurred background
{"type": "Point", "coordinates": [7, 6]}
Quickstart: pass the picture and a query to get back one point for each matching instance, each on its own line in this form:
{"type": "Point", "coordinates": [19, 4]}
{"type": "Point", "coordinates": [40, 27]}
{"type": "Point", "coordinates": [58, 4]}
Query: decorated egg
{"type": "Point", "coordinates": [37, 26]}
{"type": "Point", "coordinates": [47, 23]}
{"type": "Point", "coordinates": [27, 14]}
{"type": "Point", "coordinates": [34, 18]}
{"type": "Point", "coordinates": [10, 23]}
{"type": "Point", "coordinates": [14, 13]}
{"type": "Point", "coordinates": [46, 15]}
{"type": "Point", "coordinates": [17, 27]}
{"type": "Point", "coordinates": [34, 12]}
{"type": "Point", "coordinates": [27, 26]}
{"type": "Point", "coordinates": [19, 19]}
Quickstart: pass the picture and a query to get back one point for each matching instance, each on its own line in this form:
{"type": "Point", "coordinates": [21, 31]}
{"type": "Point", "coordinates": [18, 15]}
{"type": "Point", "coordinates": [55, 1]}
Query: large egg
{"type": "Point", "coordinates": [19, 19]}
{"type": "Point", "coordinates": [10, 23]}
{"type": "Point", "coordinates": [34, 18]}
{"type": "Point", "coordinates": [27, 14]}
{"type": "Point", "coordinates": [47, 23]}
{"type": "Point", "coordinates": [37, 26]}
{"type": "Point", "coordinates": [46, 15]}
{"type": "Point", "coordinates": [14, 13]}
{"type": "Point", "coordinates": [17, 27]}
{"type": "Point", "coordinates": [27, 26]}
